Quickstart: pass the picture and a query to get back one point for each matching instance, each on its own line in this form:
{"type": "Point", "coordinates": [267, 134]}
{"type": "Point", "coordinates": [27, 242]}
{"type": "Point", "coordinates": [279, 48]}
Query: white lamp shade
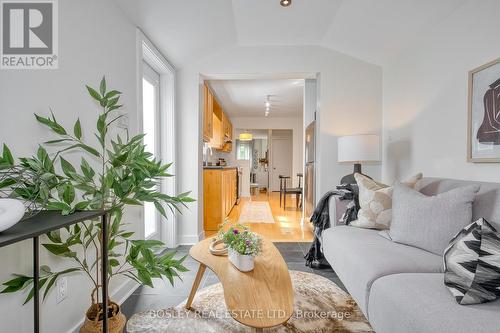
{"type": "Point", "coordinates": [359, 148]}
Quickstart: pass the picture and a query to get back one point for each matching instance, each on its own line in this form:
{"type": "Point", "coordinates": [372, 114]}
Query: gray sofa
{"type": "Point", "coordinates": [400, 288]}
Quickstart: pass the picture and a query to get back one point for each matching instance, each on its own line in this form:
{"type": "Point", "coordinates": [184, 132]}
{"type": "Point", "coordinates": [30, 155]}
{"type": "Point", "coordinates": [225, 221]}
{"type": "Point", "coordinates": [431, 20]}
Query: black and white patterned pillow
{"type": "Point", "coordinates": [472, 264]}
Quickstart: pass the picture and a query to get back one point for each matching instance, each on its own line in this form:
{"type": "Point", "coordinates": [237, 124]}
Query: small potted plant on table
{"type": "Point", "coordinates": [243, 246]}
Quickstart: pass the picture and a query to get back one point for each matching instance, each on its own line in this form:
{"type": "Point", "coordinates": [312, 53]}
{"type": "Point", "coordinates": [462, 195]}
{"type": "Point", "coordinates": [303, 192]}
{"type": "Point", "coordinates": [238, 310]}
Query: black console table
{"type": "Point", "coordinates": [47, 221]}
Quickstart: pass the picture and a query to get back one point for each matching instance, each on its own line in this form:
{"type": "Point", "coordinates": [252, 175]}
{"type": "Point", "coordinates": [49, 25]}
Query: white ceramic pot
{"type": "Point", "coordinates": [11, 212]}
{"type": "Point", "coordinates": [244, 263]}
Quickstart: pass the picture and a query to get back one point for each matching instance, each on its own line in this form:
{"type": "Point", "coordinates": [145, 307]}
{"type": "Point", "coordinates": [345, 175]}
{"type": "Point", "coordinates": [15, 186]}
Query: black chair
{"type": "Point", "coordinates": [284, 190]}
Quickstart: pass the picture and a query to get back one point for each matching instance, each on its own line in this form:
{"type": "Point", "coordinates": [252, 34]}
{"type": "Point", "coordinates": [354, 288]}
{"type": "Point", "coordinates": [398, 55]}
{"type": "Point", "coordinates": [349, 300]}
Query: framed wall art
{"type": "Point", "coordinates": [484, 113]}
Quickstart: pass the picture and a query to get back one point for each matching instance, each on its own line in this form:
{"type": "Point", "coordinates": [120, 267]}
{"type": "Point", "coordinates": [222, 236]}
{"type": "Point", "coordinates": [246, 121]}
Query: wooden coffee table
{"type": "Point", "coordinates": [260, 298]}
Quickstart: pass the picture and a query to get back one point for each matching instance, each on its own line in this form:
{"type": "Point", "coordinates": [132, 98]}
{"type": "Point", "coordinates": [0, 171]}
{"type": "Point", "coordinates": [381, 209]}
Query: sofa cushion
{"type": "Point", "coordinates": [429, 222]}
{"type": "Point", "coordinates": [486, 204]}
{"type": "Point", "coordinates": [360, 256]}
{"type": "Point", "coordinates": [420, 303]}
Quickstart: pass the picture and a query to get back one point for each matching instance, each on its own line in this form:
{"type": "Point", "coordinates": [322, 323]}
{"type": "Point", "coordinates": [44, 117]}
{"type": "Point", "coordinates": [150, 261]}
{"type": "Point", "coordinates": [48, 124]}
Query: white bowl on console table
{"type": "Point", "coordinates": [11, 212]}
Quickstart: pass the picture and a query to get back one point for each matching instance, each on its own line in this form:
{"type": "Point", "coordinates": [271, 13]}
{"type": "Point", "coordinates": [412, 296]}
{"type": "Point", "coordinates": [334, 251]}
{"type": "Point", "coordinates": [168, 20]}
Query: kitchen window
{"type": "Point", "coordinates": [243, 150]}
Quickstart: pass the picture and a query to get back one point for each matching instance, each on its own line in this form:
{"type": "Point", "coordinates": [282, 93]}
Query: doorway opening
{"type": "Point", "coordinates": [256, 128]}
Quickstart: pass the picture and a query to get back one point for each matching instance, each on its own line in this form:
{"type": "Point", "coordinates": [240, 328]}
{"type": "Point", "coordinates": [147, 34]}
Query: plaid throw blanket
{"type": "Point", "coordinates": [321, 220]}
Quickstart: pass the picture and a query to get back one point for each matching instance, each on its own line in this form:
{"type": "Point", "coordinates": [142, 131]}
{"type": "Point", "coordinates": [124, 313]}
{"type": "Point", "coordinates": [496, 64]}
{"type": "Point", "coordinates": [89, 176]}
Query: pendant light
{"type": "Point", "coordinates": [245, 136]}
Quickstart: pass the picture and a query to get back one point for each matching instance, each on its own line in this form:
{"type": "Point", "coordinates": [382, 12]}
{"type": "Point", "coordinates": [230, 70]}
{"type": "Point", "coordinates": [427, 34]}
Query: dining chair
{"type": "Point", "coordinates": [284, 190]}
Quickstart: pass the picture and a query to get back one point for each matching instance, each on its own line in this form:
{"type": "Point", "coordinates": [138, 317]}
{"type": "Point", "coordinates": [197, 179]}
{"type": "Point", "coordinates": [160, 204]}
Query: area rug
{"type": "Point", "coordinates": [320, 307]}
{"type": "Point", "coordinates": [256, 212]}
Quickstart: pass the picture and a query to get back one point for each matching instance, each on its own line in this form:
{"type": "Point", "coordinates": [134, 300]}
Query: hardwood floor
{"type": "Point", "coordinates": [288, 225]}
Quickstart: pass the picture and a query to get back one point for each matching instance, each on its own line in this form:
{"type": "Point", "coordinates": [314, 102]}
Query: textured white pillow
{"type": "Point", "coordinates": [375, 200]}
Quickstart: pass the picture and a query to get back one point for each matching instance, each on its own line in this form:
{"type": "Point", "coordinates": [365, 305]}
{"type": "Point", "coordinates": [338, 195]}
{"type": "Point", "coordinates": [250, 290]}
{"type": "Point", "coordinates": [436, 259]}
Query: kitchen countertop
{"type": "Point", "coordinates": [218, 167]}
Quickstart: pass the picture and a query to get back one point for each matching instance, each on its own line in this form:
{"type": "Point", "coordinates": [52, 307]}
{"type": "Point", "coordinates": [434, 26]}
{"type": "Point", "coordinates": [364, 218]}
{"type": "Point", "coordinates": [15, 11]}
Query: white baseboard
{"type": "Point", "coordinates": [119, 296]}
{"type": "Point", "coordinates": [125, 290]}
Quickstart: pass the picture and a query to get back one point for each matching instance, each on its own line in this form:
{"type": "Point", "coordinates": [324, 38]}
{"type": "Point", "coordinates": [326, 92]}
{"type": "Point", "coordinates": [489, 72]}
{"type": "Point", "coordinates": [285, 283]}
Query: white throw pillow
{"type": "Point", "coordinates": [375, 201]}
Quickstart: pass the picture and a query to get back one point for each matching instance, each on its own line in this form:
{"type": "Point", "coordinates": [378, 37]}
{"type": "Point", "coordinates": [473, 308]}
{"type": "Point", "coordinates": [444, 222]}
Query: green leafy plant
{"type": "Point", "coordinates": [126, 175]}
{"type": "Point", "coordinates": [242, 240]}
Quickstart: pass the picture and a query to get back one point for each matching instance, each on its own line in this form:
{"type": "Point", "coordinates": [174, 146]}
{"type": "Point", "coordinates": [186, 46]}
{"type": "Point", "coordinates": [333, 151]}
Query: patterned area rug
{"type": "Point", "coordinates": [320, 307]}
{"type": "Point", "coordinates": [256, 212]}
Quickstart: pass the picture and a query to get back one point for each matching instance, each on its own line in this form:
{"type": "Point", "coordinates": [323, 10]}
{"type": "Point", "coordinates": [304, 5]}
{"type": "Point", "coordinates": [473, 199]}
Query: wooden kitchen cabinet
{"type": "Point", "coordinates": [219, 196]}
{"type": "Point", "coordinates": [227, 134]}
{"type": "Point", "coordinates": [217, 128]}
{"type": "Point", "coordinates": [208, 110]}
{"type": "Point", "coordinates": [217, 140]}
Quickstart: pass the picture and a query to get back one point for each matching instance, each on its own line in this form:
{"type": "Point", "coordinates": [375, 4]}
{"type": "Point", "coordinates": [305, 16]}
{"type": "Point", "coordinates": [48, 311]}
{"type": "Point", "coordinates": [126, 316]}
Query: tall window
{"type": "Point", "coordinates": [150, 126]}
{"type": "Point", "coordinates": [157, 85]}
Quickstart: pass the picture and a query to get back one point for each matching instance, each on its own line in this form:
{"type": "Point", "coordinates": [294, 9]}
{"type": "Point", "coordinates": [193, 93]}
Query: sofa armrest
{"type": "Point", "coordinates": [337, 208]}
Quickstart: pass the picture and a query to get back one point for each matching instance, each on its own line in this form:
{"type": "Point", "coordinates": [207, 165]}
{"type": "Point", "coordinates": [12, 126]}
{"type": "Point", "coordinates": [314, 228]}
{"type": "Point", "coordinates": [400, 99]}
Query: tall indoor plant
{"type": "Point", "coordinates": [126, 175]}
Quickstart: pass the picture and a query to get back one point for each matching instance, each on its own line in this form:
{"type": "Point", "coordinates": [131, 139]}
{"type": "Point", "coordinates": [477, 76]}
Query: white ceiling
{"type": "Point", "coordinates": [373, 30]}
{"type": "Point", "coordinates": [246, 98]}
{"type": "Point", "coordinates": [265, 22]}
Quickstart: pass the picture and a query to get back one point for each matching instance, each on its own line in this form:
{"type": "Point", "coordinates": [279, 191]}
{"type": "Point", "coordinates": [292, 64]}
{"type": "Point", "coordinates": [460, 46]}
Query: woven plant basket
{"type": "Point", "coordinates": [94, 317]}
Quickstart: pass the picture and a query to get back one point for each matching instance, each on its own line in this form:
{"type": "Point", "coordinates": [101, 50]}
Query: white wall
{"type": "Point", "coordinates": [425, 97]}
{"type": "Point", "coordinates": [94, 39]}
{"type": "Point", "coordinates": [350, 103]}
{"type": "Point", "coordinates": [310, 101]}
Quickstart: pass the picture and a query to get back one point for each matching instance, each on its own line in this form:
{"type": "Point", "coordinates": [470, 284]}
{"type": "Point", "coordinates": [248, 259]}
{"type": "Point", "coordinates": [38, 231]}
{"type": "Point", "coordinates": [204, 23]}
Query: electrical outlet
{"type": "Point", "coordinates": [62, 289]}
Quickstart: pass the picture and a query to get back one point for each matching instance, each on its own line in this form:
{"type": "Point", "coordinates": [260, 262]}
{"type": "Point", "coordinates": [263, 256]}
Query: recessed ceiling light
{"type": "Point", "coordinates": [285, 3]}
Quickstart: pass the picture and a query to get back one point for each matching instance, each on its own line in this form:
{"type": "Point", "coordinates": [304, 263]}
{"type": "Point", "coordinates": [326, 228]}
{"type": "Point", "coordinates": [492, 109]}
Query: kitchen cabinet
{"type": "Point", "coordinates": [219, 195]}
{"type": "Point", "coordinates": [217, 140]}
{"type": "Point", "coordinates": [217, 127]}
{"type": "Point", "coordinates": [227, 134]}
{"type": "Point", "coordinates": [208, 107]}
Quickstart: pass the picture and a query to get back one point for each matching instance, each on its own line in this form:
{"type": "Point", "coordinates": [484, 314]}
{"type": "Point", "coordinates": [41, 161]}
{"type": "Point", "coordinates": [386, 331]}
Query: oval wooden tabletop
{"type": "Point", "coordinates": [260, 298]}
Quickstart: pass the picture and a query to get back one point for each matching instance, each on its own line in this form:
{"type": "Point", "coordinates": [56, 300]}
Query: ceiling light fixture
{"type": "Point", "coordinates": [268, 105]}
{"type": "Point", "coordinates": [285, 3]}
{"type": "Point", "coordinates": [246, 136]}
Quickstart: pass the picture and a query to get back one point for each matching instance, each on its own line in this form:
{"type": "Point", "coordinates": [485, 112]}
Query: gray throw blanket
{"type": "Point", "coordinates": [321, 220]}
